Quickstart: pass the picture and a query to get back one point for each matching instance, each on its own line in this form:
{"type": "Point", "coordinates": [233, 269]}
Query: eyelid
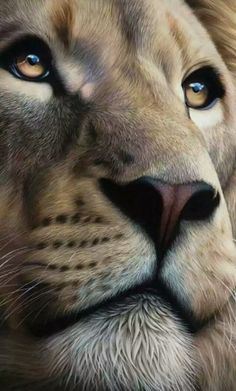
{"type": "Point", "coordinates": [206, 74]}
{"type": "Point", "coordinates": [202, 67]}
{"type": "Point", "coordinates": [25, 45]}
{"type": "Point", "coordinates": [195, 67]}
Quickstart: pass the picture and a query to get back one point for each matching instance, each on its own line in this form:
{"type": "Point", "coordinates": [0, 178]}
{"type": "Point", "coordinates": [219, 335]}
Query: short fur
{"type": "Point", "coordinates": [116, 111]}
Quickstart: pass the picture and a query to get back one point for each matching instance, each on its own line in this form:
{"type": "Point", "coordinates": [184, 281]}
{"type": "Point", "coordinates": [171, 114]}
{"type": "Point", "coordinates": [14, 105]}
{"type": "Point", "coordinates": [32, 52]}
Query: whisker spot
{"type": "Point", "coordinates": [71, 244]}
{"type": "Point", "coordinates": [79, 267]}
{"type": "Point", "coordinates": [41, 246]}
{"type": "Point", "coordinates": [52, 267]}
{"type": "Point", "coordinates": [57, 244]}
{"type": "Point", "coordinates": [64, 268]}
{"type": "Point", "coordinates": [92, 264]}
{"type": "Point", "coordinates": [83, 244]}
{"type": "Point", "coordinates": [95, 242]}
{"type": "Point", "coordinates": [62, 219]}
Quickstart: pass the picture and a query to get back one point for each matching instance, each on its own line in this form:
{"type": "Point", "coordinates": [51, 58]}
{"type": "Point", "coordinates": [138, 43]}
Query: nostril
{"type": "Point", "coordinates": [160, 207]}
{"type": "Point", "coordinates": [138, 200]}
{"type": "Point", "coordinates": [202, 203]}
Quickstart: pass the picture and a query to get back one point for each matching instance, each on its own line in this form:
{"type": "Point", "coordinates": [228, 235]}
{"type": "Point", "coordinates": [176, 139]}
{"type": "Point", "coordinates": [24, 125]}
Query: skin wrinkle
{"type": "Point", "coordinates": [66, 247]}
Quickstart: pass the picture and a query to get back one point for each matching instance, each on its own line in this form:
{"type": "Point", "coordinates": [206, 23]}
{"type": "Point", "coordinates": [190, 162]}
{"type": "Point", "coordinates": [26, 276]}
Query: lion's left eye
{"type": "Point", "coordinates": [196, 94]}
{"type": "Point", "coordinates": [202, 89]}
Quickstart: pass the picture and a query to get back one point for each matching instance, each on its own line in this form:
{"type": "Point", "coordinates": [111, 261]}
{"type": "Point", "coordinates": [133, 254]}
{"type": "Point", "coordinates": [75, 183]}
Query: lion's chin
{"type": "Point", "coordinates": [135, 344]}
{"type": "Point", "coordinates": [138, 343]}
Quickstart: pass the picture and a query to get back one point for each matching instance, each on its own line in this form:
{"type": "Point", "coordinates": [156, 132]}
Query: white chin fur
{"type": "Point", "coordinates": [136, 345]}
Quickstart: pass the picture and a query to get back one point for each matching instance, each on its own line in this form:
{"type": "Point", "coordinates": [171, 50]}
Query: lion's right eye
{"type": "Point", "coordinates": [30, 66]}
{"type": "Point", "coordinates": [28, 59]}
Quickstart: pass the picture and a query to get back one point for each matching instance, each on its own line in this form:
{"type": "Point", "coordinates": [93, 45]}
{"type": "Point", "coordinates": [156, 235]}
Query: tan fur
{"type": "Point", "coordinates": [218, 18]}
{"type": "Point", "coordinates": [63, 20]}
{"type": "Point", "coordinates": [70, 246]}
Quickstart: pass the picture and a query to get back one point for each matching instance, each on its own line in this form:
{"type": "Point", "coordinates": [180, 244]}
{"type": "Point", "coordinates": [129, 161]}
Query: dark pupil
{"type": "Point", "coordinates": [197, 87]}
{"type": "Point", "coordinates": [33, 59]}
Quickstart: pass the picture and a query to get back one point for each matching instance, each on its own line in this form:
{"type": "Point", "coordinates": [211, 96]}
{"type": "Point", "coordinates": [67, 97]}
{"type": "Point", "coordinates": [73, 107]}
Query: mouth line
{"type": "Point", "coordinates": [155, 287]}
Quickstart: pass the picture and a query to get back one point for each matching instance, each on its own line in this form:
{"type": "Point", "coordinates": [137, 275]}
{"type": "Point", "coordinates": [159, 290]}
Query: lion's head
{"type": "Point", "coordinates": [118, 145]}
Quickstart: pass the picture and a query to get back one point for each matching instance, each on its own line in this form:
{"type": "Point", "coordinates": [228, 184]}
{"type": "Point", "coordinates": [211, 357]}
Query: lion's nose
{"type": "Point", "coordinates": [160, 207]}
{"type": "Point", "coordinates": [194, 201]}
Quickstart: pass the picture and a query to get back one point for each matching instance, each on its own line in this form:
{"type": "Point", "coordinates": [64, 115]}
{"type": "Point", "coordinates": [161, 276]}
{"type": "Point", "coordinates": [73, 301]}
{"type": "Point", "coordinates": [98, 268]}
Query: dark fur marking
{"type": "Point", "coordinates": [95, 241]}
{"type": "Point", "coordinates": [84, 243]}
{"type": "Point", "coordinates": [79, 202]}
{"type": "Point", "coordinates": [105, 240]}
{"type": "Point", "coordinates": [71, 244]}
{"type": "Point", "coordinates": [64, 268]}
{"type": "Point", "coordinates": [41, 246]}
{"type": "Point", "coordinates": [52, 267]}
{"type": "Point", "coordinates": [79, 267]}
{"type": "Point", "coordinates": [98, 220]}
{"type": "Point", "coordinates": [62, 219]}
{"type": "Point", "coordinates": [57, 244]}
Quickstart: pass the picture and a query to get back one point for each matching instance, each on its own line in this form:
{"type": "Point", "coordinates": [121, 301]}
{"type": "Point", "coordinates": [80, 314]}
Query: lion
{"type": "Point", "coordinates": [117, 195]}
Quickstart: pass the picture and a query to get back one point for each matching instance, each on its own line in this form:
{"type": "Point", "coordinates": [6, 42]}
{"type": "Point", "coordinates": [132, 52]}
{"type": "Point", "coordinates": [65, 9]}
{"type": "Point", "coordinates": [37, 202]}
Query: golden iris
{"type": "Point", "coordinates": [30, 66]}
{"type": "Point", "coordinates": [196, 94]}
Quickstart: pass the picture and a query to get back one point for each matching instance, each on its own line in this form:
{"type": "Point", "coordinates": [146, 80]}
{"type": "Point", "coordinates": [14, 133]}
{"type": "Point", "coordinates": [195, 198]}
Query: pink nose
{"type": "Point", "coordinates": [194, 201]}
{"type": "Point", "coordinates": [160, 207]}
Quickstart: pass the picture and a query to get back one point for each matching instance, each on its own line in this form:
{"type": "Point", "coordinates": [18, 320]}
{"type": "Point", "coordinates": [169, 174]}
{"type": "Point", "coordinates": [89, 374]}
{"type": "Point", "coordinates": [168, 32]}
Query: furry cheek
{"type": "Point", "coordinates": [42, 92]}
{"type": "Point", "coordinates": [208, 118]}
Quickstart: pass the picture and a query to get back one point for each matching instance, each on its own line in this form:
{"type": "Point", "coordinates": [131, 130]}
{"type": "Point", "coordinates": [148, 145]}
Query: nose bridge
{"type": "Point", "coordinates": [163, 143]}
{"type": "Point", "coordinates": [181, 151]}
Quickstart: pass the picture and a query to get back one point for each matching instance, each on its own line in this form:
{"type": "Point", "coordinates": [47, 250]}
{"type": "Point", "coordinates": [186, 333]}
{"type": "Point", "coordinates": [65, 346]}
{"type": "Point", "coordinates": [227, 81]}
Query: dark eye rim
{"type": "Point", "coordinates": [209, 76]}
{"type": "Point", "coordinates": [25, 46]}
{"type": "Point", "coordinates": [13, 69]}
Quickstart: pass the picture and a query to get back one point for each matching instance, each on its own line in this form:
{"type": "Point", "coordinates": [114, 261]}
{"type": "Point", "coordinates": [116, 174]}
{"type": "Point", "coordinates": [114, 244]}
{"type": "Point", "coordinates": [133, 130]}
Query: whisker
{"type": "Point", "coordinates": [13, 251]}
{"type": "Point", "coordinates": [10, 241]}
{"type": "Point", "coordinates": [40, 310]}
{"type": "Point", "coordinates": [22, 304]}
{"type": "Point", "coordinates": [7, 261]}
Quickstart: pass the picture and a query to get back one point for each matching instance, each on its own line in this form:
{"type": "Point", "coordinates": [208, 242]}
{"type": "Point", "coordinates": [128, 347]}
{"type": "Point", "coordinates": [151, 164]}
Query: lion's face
{"type": "Point", "coordinates": [117, 143]}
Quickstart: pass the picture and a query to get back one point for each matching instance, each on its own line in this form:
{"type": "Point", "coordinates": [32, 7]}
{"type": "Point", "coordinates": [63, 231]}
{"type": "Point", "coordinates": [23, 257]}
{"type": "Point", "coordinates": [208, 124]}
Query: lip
{"type": "Point", "coordinates": [53, 326]}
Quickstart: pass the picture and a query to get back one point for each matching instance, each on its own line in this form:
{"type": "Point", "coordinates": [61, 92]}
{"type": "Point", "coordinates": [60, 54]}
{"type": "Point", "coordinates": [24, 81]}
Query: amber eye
{"type": "Point", "coordinates": [196, 94]}
{"type": "Point", "coordinates": [28, 59]}
{"type": "Point", "coordinates": [202, 89]}
{"type": "Point", "coordinates": [30, 66]}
